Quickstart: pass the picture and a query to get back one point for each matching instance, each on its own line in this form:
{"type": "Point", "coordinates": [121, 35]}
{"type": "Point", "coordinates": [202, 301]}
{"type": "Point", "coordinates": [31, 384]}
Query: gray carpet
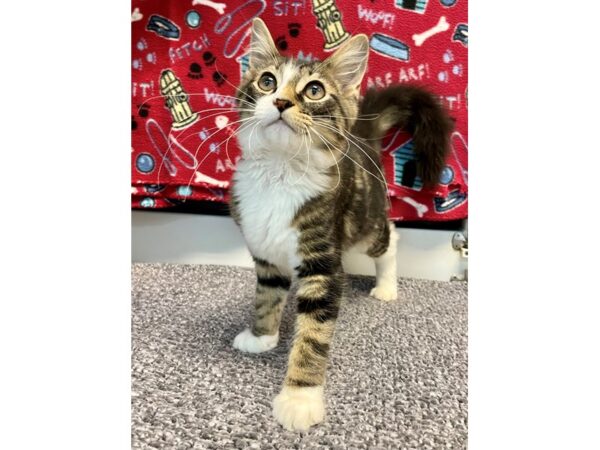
{"type": "Point", "coordinates": [397, 377]}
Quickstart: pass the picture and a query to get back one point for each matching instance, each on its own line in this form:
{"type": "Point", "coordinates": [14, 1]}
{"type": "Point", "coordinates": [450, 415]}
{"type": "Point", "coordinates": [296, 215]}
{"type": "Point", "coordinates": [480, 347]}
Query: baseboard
{"type": "Point", "coordinates": [212, 239]}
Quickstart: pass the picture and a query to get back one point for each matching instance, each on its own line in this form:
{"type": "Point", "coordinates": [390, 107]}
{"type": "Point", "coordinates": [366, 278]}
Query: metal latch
{"type": "Point", "coordinates": [460, 243]}
{"type": "Point", "coordinates": [464, 277]}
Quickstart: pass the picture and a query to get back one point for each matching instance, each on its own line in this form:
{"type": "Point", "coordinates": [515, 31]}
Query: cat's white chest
{"type": "Point", "coordinates": [267, 205]}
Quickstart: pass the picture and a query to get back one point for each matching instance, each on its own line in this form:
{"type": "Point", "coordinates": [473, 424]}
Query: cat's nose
{"type": "Point", "coordinates": [282, 104]}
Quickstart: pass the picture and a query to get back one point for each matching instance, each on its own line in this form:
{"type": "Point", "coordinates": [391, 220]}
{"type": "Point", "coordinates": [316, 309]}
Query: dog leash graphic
{"type": "Point", "coordinates": [460, 137]}
{"type": "Point", "coordinates": [225, 22]}
{"type": "Point", "coordinates": [172, 144]}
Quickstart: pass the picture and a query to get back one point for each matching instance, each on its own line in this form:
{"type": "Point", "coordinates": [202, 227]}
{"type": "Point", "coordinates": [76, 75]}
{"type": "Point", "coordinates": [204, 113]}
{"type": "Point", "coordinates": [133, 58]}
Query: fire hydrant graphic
{"type": "Point", "coordinates": [176, 100]}
{"type": "Point", "coordinates": [329, 20]}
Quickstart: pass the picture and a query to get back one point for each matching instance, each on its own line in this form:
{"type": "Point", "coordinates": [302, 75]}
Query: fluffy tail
{"type": "Point", "coordinates": [415, 111]}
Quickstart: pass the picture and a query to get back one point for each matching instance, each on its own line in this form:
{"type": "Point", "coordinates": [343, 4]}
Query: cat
{"type": "Point", "coordinates": [310, 186]}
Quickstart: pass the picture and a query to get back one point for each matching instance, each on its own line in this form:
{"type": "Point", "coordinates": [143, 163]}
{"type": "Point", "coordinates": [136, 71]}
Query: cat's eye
{"type": "Point", "coordinates": [314, 90]}
{"type": "Point", "coordinates": [267, 82]}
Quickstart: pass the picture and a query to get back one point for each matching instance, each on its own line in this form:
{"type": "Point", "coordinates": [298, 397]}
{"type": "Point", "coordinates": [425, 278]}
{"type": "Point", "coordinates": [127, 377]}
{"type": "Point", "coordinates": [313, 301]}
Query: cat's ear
{"type": "Point", "coordinates": [349, 62]}
{"type": "Point", "coordinates": [262, 48]}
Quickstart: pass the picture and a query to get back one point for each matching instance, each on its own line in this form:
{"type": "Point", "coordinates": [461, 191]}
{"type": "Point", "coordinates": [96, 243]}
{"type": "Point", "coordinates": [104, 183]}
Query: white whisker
{"type": "Point", "coordinates": [183, 139]}
{"type": "Point", "coordinates": [191, 94]}
{"type": "Point", "coordinates": [252, 150]}
{"type": "Point", "coordinates": [363, 117]}
{"type": "Point", "coordinates": [382, 180]}
{"type": "Point", "coordinates": [307, 164]}
{"type": "Point", "coordinates": [325, 141]}
{"type": "Point", "coordinates": [208, 153]}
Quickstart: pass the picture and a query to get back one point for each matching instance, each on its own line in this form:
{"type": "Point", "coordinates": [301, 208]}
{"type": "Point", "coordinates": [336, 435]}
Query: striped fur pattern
{"type": "Point", "coordinates": [271, 293]}
{"type": "Point", "coordinates": [310, 186]}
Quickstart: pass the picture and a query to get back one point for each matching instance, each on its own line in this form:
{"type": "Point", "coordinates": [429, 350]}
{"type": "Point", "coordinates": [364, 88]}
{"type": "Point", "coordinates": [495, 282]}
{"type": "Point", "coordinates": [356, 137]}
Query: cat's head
{"type": "Point", "coordinates": [287, 105]}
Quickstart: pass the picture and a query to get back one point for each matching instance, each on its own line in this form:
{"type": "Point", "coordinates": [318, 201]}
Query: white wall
{"type": "Point", "coordinates": [205, 239]}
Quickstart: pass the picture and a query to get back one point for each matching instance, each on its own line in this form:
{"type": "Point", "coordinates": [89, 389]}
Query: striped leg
{"type": "Point", "coordinates": [300, 403]}
{"type": "Point", "coordinates": [271, 292]}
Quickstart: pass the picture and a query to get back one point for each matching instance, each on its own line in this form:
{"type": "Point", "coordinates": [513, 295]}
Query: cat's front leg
{"type": "Point", "coordinates": [301, 403]}
{"type": "Point", "coordinates": [271, 292]}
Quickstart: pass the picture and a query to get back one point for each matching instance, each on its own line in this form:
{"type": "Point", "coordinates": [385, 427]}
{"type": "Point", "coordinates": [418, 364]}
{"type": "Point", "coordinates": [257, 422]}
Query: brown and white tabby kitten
{"type": "Point", "coordinates": [310, 186]}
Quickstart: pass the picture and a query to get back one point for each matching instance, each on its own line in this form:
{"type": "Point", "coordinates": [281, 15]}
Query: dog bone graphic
{"type": "Point", "coordinates": [219, 7]}
{"type": "Point", "coordinates": [420, 207]}
{"type": "Point", "coordinates": [442, 25]}
{"type": "Point", "coordinates": [201, 178]}
{"type": "Point", "coordinates": [136, 15]}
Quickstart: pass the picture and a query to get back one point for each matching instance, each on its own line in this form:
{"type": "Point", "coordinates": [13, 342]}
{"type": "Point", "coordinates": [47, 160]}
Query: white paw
{"type": "Point", "coordinates": [299, 408]}
{"type": "Point", "coordinates": [247, 342]}
{"type": "Point", "coordinates": [385, 293]}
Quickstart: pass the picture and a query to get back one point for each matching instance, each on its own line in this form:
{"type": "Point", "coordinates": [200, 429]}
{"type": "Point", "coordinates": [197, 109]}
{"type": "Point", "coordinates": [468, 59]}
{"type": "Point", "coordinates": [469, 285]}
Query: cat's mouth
{"type": "Point", "coordinates": [280, 122]}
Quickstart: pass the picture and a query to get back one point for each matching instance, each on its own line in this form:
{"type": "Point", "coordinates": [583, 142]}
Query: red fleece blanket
{"type": "Point", "coordinates": [197, 50]}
